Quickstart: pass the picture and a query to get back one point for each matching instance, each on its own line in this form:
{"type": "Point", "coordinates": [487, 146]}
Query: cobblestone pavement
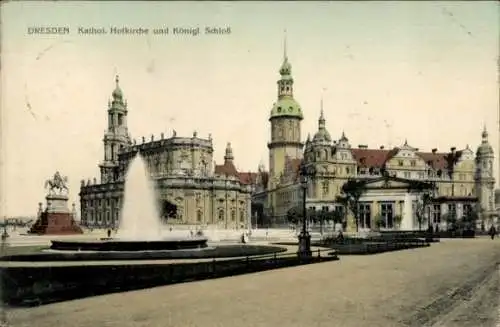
{"type": "Point", "coordinates": [448, 284]}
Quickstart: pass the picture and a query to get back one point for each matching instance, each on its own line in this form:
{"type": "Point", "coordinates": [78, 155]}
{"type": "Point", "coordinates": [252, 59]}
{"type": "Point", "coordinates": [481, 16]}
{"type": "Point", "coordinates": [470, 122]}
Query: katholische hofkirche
{"type": "Point", "coordinates": [193, 189]}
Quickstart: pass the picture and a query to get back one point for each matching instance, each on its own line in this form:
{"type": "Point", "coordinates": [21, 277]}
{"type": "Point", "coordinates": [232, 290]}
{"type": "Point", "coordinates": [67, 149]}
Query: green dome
{"type": "Point", "coordinates": [117, 93]}
{"type": "Point", "coordinates": [287, 107]}
{"type": "Point", "coordinates": [286, 68]}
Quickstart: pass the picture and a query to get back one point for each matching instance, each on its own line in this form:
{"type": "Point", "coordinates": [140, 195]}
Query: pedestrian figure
{"type": "Point", "coordinates": [492, 232]}
{"type": "Point", "coordinates": [340, 237]}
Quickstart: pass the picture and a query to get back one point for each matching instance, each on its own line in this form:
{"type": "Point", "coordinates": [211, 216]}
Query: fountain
{"type": "Point", "coordinates": [140, 226]}
{"type": "Point", "coordinates": [407, 221]}
{"type": "Point", "coordinates": [139, 202]}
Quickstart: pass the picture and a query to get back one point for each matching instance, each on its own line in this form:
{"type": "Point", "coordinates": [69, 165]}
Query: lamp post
{"type": "Point", "coordinates": [305, 173]}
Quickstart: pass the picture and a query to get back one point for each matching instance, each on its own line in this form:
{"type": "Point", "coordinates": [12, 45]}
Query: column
{"type": "Point", "coordinates": [375, 210]}
{"type": "Point", "coordinates": [249, 212]}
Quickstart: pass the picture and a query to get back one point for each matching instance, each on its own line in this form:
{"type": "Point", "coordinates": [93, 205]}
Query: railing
{"type": "Point", "coordinates": [59, 283]}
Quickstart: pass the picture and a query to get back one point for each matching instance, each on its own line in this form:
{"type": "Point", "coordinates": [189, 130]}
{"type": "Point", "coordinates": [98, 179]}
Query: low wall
{"type": "Point", "coordinates": [35, 285]}
{"type": "Point", "coordinates": [372, 245]}
{"type": "Point", "coordinates": [373, 248]}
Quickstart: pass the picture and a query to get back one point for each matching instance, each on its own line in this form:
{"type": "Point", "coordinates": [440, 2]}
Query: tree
{"type": "Point", "coordinates": [337, 216]}
{"type": "Point", "coordinates": [421, 208]}
{"type": "Point", "coordinates": [293, 215]}
{"type": "Point", "coordinates": [469, 219]}
{"type": "Point", "coordinates": [352, 191]}
{"type": "Point", "coordinates": [321, 216]}
{"type": "Point", "coordinates": [451, 221]}
{"type": "Point", "coordinates": [420, 214]}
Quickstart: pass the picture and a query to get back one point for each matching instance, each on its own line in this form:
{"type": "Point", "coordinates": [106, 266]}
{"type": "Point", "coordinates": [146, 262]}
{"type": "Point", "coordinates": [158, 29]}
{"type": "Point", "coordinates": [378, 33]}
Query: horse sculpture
{"type": "Point", "coordinates": [57, 183]}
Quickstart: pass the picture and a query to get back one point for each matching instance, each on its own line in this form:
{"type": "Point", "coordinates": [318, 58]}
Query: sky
{"type": "Point", "coordinates": [387, 71]}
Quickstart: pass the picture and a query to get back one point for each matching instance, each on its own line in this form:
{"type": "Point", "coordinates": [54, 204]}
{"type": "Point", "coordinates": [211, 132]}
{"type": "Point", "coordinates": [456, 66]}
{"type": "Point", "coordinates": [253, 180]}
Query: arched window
{"type": "Point", "coordinates": [242, 215]}
{"type": "Point", "coordinates": [221, 215]}
{"type": "Point", "coordinates": [199, 216]}
{"type": "Point", "coordinates": [233, 215]}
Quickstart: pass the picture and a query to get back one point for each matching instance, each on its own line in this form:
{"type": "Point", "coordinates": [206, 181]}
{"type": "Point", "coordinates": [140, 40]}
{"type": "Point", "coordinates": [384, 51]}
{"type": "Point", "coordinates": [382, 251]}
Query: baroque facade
{"type": "Point", "coordinates": [191, 188]}
{"type": "Point", "coordinates": [462, 180]}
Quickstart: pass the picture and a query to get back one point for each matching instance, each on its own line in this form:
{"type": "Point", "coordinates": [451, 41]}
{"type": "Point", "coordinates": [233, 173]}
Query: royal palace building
{"type": "Point", "coordinates": [460, 180]}
{"type": "Point", "coordinates": [191, 188]}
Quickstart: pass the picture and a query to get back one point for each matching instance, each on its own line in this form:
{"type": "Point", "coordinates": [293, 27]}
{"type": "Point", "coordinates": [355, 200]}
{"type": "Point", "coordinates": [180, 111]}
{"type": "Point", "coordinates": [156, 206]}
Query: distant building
{"type": "Point", "coordinates": [191, 188]}
{"type": "Point", "coordinates": [464, 180]}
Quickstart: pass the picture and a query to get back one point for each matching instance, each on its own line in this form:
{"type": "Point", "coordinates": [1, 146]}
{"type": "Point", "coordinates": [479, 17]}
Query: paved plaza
{"type": "Point", "coordinates": [454, 283]}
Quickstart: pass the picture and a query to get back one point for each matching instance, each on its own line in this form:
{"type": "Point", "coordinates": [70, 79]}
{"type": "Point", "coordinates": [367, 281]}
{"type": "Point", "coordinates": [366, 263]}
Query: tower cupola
{"type": "Point", "coordinates": [485, 148]}
{"type": "Point", "coordinates": [322, 134]}
{"type": "Point", "coordinates": [229, 153]}
{"type": "Point", "coordinates": [286, 106]}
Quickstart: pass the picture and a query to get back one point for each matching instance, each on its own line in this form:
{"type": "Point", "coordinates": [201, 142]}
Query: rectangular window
{"type": "Point", "coordinates": [452, 210]}
{"type": "Point", "coordinates": [400, 162]}
{"type": "Point", "coordinates": [413, 163]}
{"type": "Point", "coordinates": [467, 208]}
{"type": "Point", "coordinates": [421, 175]}
{"type": "Point", "coordinates": [407, 174]}
{"type": "Point", "coordinates": [364, 215]}
{"type": "Point", "coordinates": [387, 212]}
{"type": "Point", "coordinates": [325, 188]}
{"type": "Point", "coordinates": [436, 214]}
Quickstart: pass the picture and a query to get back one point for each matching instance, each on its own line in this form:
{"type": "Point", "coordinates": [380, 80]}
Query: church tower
{"type": "Point", "coordinates": [116, 137]}
{"type": "Point", "coordinates": [285, 119]}
{"type": "Point", "coordinates": [484, 180]}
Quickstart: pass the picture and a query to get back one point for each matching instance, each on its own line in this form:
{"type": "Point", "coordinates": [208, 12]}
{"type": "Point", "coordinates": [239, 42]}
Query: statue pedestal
{"type": "Point", "coordinates": [56, 219]}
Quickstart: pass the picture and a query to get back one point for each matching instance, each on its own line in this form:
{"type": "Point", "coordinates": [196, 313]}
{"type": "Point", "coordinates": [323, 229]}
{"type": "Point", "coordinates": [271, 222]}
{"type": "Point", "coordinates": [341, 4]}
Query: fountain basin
{"type": "Point", "coordinates": [129, 245]}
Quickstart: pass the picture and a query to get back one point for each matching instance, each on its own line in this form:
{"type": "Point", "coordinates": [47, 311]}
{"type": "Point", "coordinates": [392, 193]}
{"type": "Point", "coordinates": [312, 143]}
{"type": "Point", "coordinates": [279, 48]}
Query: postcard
{"type": "Point", "coordinates": [227, 163]}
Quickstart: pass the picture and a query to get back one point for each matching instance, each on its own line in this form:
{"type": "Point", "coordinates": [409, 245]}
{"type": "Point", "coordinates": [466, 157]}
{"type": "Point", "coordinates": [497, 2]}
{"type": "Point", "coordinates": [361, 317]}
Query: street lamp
{"type": "Point", "coordinates": [305, 173]}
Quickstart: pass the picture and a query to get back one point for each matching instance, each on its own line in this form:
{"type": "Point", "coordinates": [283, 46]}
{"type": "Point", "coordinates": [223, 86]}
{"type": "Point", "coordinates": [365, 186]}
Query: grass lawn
{"type": "Point", "coordinates": [15, 250]}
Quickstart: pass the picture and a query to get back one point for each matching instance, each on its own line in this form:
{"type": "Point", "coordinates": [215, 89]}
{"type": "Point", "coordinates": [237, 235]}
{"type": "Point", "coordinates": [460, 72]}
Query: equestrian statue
{"type": "Point", "coordinates": [57, 183]}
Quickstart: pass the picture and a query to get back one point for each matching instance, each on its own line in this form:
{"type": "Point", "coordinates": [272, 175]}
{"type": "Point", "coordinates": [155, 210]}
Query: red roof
{"type": "Point", "coordinates": [227, 168]}
{"type": "Point", "coordinates": [372, 157]}
{"type": "Point", "coordinates": [248, 178]}
{"type": "Point", "coordinates": [436, 160]}
{"type": "Point", "coordinates": [378, 157]}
